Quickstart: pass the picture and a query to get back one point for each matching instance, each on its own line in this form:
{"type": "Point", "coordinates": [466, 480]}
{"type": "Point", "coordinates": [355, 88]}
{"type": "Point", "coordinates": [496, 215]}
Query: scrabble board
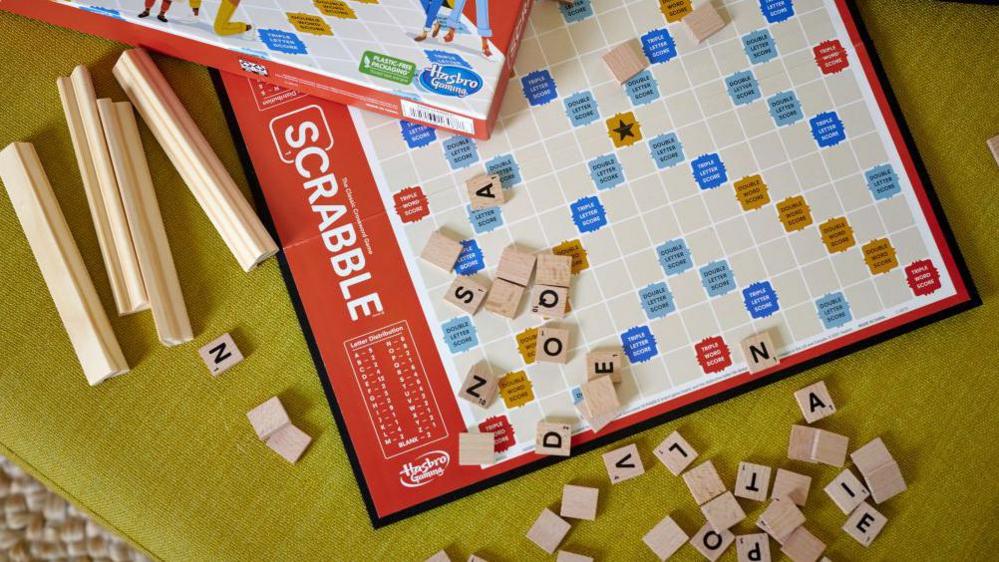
{"type": "Point", "coordinates": [762, 180]}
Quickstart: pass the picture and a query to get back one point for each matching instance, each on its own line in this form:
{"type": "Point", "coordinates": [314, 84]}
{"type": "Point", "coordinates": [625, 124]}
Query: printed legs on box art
{"type": "Point", "coordinates": [165, 7]}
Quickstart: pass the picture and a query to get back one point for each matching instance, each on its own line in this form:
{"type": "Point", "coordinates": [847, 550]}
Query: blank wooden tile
{"type": "Point", "coordinates": [289, 442]}
{"type": "Point", "coordinates": [480, 386]}
{"type": "Point", "coordinates": [830, 448]}
{"type": "Point", "coordinates": [885, 482]}
{"type": "Point", "coordinates": [548, 531]}
{"type": "Point", "coordinates": [815, 402]}
{"type": "Point", "coordinates": [780, 518]}
{"type": "Point", "coordinates": [548, 301]}
{"type": "Point", "coordinates": [553, 439]}
{"type": "Point", "coordinates": [753, 481]}
{"type": "Point", "coordinates": [474, 558]}
{"type": "Point", "coordinates": [439, 556]}
{"type": "Point", "coordinates": [675, 453]}
{"type": "Point", "coordinates": [467, 294]}
{"type": "Point", "coordinates": [753, 547]}
{"type": "Point", "coordinates": [566, 556]}
{"type": "Point", "coordinates": [801, 443]}
{"type": "Point", "coordinates": [703, 22]}
{"type": "Point", "coordinates": [791, 485]}
{"type": "Point", "coordinates": [626, 60]}
{"type": "Point", "coordinates": [441, 250]}
{"type": "Point", "coordinates": [665, 538]}
{"type": "Point", "coordinates": [600, 396]}
{"type": "Point", "coordinates": [760, 351]}
{"type": "Point", "coordinates": [597, 423]}
{"type": "Point", "coordinates": [711, 543]}
{"type": "Point", "coordinates": [553, 346]}
{"type": "Point", "coordinates": [604, 362]}
{"type": "Point", "coordinates": [220, 354]}
{"type": "Point", "coordinates": [485, 191]}
{"type": "Point", "coordinates": [516, 265]}
{"type": "Point", "coordinates": [504, 298]}
{"type": "Point", "coordinates": [723, 512]}
{"type": "Point", "coordinates": [579, 502]}
{"type": "Point", "coordinates": [994, 147]}
{"type": "Point", "coordinates": [803, 546]}
{"type": "Point", "coordinates": [553, 270]}
{"type": "Point", "coordinates": [703, 482]}
{"type": "Point", "coordinates": [865, 524]}
{"type": "Point", "coordinates": [476, 449]}
{"type": "Point", "coordinates": [846, 491]}
{"type": "Point", "coordinates": [871, 456]}
{"type": "Point", "coordinates": [268, 418]}
{"type": "Point", "coordinates": [623, 464]}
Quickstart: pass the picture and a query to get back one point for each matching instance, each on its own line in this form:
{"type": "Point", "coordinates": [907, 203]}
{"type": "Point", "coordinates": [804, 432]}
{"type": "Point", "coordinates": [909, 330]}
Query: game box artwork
{"type": "Point", "coordinates": [444, 63]}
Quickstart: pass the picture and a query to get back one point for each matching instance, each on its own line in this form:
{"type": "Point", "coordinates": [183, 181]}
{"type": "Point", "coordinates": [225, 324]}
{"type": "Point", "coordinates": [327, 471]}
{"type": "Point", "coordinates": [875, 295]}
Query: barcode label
{"type": "Point", "coordinates": [437, 117]}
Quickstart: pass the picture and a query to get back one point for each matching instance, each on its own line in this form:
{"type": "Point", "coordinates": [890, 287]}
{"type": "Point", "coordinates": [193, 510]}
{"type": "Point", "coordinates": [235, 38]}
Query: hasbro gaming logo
{"type": "Point", "coordinates": [448, 80]}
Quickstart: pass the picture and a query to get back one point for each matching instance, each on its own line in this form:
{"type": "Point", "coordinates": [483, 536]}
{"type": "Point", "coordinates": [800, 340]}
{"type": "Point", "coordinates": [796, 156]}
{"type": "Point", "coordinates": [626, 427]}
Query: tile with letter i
{"type": "Point", "coordinates": [220, 354]}
{"type": "Point", "coordinates": [846, 491]}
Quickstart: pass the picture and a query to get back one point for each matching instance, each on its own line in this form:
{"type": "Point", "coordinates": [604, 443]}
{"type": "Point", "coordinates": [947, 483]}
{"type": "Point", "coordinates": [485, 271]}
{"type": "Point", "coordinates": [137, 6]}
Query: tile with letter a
{"type": "Point", "coordinates": [220, 354]}
{"type": "Point", "coordinates": [815, 402]}
{"type": "Point", "coordinates": [675, 453]}
{"type": "Point", "coordinates": [553, 439]}
{"type": "Point", "coordinates": [623, 464]}
{"type": "Point", "coordinates": [467, 294]}
{"type": "Point", "coordinates": [485, 191]}
{"type": "Point", "coordinates": [760, 352]}
{"type": "Point", "coordinates": [480, 386]}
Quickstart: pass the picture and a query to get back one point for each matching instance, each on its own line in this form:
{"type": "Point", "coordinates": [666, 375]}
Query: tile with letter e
{"type": "Point", "coordinates": [480, 386]}
{"type": "Point", "coordinates": [665, 538]}
{"type": "Point", "coordinates": [675, 453]}
{"type": "Point", "coordinates": [553, 439]}
{"type": "Point", "coordinates": [579, 502]}
{"type": "Point", "coordinates": [549, 301]}
{"type": "Point", "coordinates": [553, 346]}
{"type": "Point", "coordinates": [703, 482]}
{"type": "Point", "coordinates": [602, 362]}
{"type": "Point", "coordinates": [467, 294]}
{"type": "Point", "coordinates": [865, 524]}
{"type": "Point", "coordinates": [711, 543]}
{"type": "Point", "coordinates": [548, 531]}
{"type": "Point", "coordinates": [753, 481]}
{"type": "Point", "coordinates": [623, 464]}
{"type": "Point", "coordinates": [220, 354]}
{"type": "Point", "coordinates": [485, 191]}
{"type": "Point", "coordinates": [815, 402]}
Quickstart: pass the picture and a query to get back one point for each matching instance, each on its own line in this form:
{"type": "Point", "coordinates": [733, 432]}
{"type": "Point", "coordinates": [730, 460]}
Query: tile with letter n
{"type": "Point", "coordinates": [760, 352]}
{"type": "Point", "coordinates": [623, 464]}
{"type": "Point", "coordinates": [220, 354]}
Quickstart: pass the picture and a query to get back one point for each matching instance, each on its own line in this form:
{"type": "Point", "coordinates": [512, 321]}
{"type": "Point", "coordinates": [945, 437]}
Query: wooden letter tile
{"type": "Point", "coordinates": [791, 485]}
{"type": "Point", "coordinates": [441, 250]}
{"type": "Point", "coordinates": [626, 60]}
{"type": "Point", "coordinates": [268, 417]}
{"type": "Point", "coordinates": [675, 453]}
{"type": "Point", "coordinates": [703, 22]}
{"type": "Point", "coordinates": [885, 482]}
{"type": "Point", "coordinates": [753, 481]}
{"type": "Point", "coordinates": [600, 396]}
{"type": "Point", "coordinates": [579, 502]}
{"type": "Point", "coordinates": [548, 531]}
{"type": "Point", "coordinates": [830, 448]}
{"type": "Point", "coordinates": [476, 449]}
{"type": "Point", "coordinates": [865, 524]}
{"type": "Point", "coordinates": [753, 548]}
{"type": "Point", "coordinates": [846, 491]}
{"type": "Point", "coordinates": [871, 456]}
{"type": "Point", "coordinates": [801, 443]}
{"type": "Point", "coordinates": [759, 350]}
{"type": "Point", "coordinates": [566, 556]}
{"type": "Point", "coordinates": [803, 546]}
{"type": "Point", "coordinates": [711, 543]}
{"type": "Point", "coordinates": [289, 442]}
{"type": "Point", "coordinates": [548, 301]}
{"type": "Point", "coordinates": [485, 191]}
{"type": "Point", "coordinates": [604, 362]}
{"type": "Point", "coordinates": [554, 270]}
{"type": "Point", "coordinates": [780, 519]}
{"type": "Point", "coordinates": [439, 556]}
{"type": "Point", "coordinates": [623, 464]}
{"type": "Point", "coordinates": [220, 354]}
{"type": "Point", "coordinates": [467, 294]}
{"type": "Point", "coordinates": [516, 265]}
{"type": "Point", "coordinates": [504, 298]}
{"type": "Point", "coordinates": [553, 346]}
{"type": "Point", "coordinates": [723, 512]}
{"type": "Point", "coordinates": [703, 482]}
{"type": "Point", "coordinates": [480, 386]}
{"type": "Point", "coordinates": [665, 538]}
{"type": "Point", "coordinates": [994, 147]}
{"type": "Point", "coordinates": [815, 402]}
{"type": "Point", "coordinates": [553, 439]}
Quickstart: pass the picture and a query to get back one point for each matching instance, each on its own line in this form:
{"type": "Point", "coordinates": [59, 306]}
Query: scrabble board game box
{"type": "Point", "coordinates": [759, 182]}
{"type": "Point", "coordinates": [444, 63]}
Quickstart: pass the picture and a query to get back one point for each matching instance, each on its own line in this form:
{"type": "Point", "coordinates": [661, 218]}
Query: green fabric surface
{"type": "Point", "coordinates": [164, 455]}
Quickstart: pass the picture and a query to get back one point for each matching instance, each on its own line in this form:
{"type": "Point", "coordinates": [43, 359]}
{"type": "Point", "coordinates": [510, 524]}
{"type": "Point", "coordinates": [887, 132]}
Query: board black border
{"type": "Point", "coordinates": [973, 301]}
